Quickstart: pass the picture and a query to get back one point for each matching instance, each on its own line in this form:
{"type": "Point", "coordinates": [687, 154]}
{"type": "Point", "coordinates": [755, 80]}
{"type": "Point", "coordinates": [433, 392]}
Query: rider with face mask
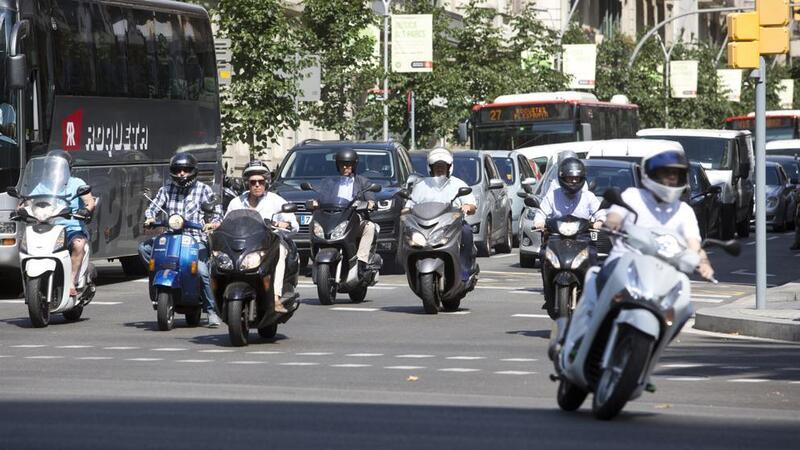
{"type": "Point", "coordinates": [442, 187]}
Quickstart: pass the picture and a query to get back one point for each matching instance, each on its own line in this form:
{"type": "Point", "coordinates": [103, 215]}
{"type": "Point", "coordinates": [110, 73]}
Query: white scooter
{"type": "Point", "coordinates": [630, 311]}
{"type": "Point", "coordinates": [44, 257]}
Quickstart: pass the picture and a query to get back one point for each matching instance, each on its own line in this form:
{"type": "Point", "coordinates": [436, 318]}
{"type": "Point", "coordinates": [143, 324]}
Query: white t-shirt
{"type": "Point", "coordinates": [583, 205]}
{"type": "Point", "coordinates": [432, 189]}
{"type": "Point", "coordinates": [346, 188]}
{"type": "Point", "coordinates": [268, 205]}
{"type": "Point", "coordinates": [677, 216]}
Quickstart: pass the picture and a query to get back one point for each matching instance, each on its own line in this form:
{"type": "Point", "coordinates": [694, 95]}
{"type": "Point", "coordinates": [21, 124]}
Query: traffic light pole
{"type": "Point", "coordinates": [386, 5]}
{"type": "Point", "coordinates": [761, 172]}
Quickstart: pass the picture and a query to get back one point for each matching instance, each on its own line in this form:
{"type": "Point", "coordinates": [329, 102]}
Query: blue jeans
{"type": "Point", "coordinates": [146, 249]}
{"type": "Point", "coordinates": [467, 251]}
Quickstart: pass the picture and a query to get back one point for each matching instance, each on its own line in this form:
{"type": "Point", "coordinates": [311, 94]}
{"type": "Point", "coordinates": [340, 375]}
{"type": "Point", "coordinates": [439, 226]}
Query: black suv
{"type": "Point", "coordinates": [385, 163]}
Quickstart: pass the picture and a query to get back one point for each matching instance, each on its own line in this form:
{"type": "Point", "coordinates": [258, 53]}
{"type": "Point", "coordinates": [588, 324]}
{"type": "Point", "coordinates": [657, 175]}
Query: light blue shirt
{"type": "Point", "coordinates": [75, 204]}
{"type": "Point", "coordinates": [441, 190]}
{"type": "Point", "coordinates": [346, 188]}
{"type": "Point", "coordinates": [583, 205]}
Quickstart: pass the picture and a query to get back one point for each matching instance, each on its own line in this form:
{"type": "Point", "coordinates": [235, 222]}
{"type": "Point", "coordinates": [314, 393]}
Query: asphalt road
{"type": "Point", "coordinates": [380, 374]}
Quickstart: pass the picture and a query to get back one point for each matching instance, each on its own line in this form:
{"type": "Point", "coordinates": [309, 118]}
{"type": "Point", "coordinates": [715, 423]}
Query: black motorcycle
{"type": "Point", "coordinates": [245, 250]}
{"type": "Point", "coordinates": [335, 233]}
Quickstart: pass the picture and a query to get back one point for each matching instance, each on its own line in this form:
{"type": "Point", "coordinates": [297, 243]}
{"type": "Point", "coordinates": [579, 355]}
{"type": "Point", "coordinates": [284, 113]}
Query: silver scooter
{"type": "Point", "coordinates": [630, 311]}
{"type": "Point", "coordinates": [430, 248]}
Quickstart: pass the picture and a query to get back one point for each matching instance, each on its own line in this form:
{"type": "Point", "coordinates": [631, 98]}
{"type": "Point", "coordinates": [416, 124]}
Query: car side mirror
{"type": "Point", "coordinates": [306, 186]}
{"type": "Point", "coordinates": [715, 189]}
{"type": "Point", "coordinates": [374, 187]}
{"type": "Point", "coordinates": [531, 202]}
{"type": "Point", "coordinates": [83, 190]}
{"type": "Point", "coordinates": [496, 183]}
{"type": "Point", "coordinates": [404, 194]}
{"type": "Point", "coordinates": [522, 193]}
{"type": "Point", "coordinates": [17, 72]}
{"type": "Point", "coordinates": [288, 208]}
{"type": "Point", "coordinates": [593, 185]}
{"type": "Point", "coordinates": [530, 181]}
{"type": "Point", "coordinates": [464, 191]}
{"type": "Point", "coordinates": [12, 191]}
{"type": "Point", "coordinates": [312, 205]}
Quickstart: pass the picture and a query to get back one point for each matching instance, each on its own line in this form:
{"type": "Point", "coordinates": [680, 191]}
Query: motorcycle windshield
{"type": "Point", "coordinates": [330, 194]}
{"type": "Point", "coordinates": [242, 223]}
{"type": "Point", "coordinates": [45, 176]}
{"type": "Point", "coordinates": [430, 210]}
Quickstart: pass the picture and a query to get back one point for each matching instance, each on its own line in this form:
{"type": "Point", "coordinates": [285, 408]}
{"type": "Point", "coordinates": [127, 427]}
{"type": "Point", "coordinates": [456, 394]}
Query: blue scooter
{"type": "Point", "coordinates": [174, 278]}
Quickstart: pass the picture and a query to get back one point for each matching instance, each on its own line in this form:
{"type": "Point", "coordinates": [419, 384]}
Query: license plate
{"type": "Point", "coordinates": [305, 219]}
{"type": "Point", "coordinates": [593, 235]}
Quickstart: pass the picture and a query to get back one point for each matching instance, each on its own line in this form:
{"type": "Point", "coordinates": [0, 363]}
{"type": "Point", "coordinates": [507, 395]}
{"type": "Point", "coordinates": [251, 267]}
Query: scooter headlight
{"type": "Point", "coordinates": [251, 260]}
{"type": "Point", "coordinates": [61, 241]}
{"type": "Point", "coordinates": [568, 228]}
{"type": "Point", "coordinates": [668, 301]}
{"type": "Point", "coordinates": [634, 284]}
{"type": "Point", "coordinates": [339, 231]}
{"type": "Point", "coordinates": [223, 261]}
{"type": "Point", "coordinates": [318, 230]}
{"type": "Point", "coordinates": [417, 239]}
{"type": "Point", "coordinates": [580, 258]}
{"type": "Point", "coordinates": [439, 237]}
{"type": "Point", "coordinates": [553, 258]}
{"type": "Point", "coordinates": [175, 222]}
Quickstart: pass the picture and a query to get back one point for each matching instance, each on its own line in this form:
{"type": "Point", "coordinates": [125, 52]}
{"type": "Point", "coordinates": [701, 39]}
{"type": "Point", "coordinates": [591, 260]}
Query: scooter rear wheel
{"type": "Point", "coordinates": [429, 293]}
{"type": "Point", "coordinates": [326, 288]}
{"type": "Point", "coordinates": [74, 314]}
{"type": "Point", "coordinates": [165, 310]}
{"type": "Point", "coordinates": [620, 379]}
{"type": "Point", "coordinates": [38, 308]}
{"type": "Point", "coordinates": [238, 322]}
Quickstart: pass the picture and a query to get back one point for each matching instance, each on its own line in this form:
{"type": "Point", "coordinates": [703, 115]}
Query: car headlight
{"type": "Point", "coordinates": [175, 222]}
{"type": "Point", "coordinates": [417, 239]}
{"type": "Point", "coordinates": [318, 230]}
{"type": "Point", "coordinates": [385, 205]}
{"type": "Point", "coordinates": [251, 260]}
{"type": "Point", "coordinates": [223, 261]}
{"type": "Point", "coordinates": [339, 231]}
{"type": "Point", "coordinates": [8, 227]}
{"type": "Point", "coordinates": [60, 241]}
{"type": "Point", "coordinates": [553, 258]}
{"type": "Point", "coordinates": [668, 301]}
{"type": "Point", "coordinates": [580, 258]}
{"type": "Point", "coordinates": [772, 202]}
{"type": "Point", "coordinates": [568, 228]}
{"type": "Point", "coordinates": [634, 284]}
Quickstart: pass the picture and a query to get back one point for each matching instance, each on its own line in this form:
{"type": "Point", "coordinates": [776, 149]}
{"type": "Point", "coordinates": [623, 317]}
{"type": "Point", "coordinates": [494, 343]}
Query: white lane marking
{"type": "Point", "coordinates": [145, 280]}
{"type": "Point", "coordinates": [534, 316]}
{"type": "Point", "coordinates": [75, 346]}
{"type": "Point", "coordinates": [772, 238]}
{"type": "Point", "coordinates": [364, 355]}
{"type": "Point", "coordinates": [791, 369]}
{"type": "Point", "coordinates": [314, 354]}
{"type": "Point", "coordinates": [247, 362]}
{"type": "Point", "coordinates": [682, 366]}
{"type": "Point", "coordinates": [217, 350]}
{"type": "Point", "coordinates": [748, 274]}
{"type": "Point", "coordinates": [506, 272]}
{"type": "Point", "coordinates": [120, 348]}
{"type": "Point", "coordinates": [414, 356]}
{"type": "Point", "coordinates": [12, 301]}
{"type": "Point", "coordinates": [6, 356]}
{"type": "Point", "coordinates": [712, 296]}
{"type": "Point", "coordinates": [514, 372]}
{"type": "Point", "coordinates": [195, 360]}
{"type": "Point", "coordinates": [299, 364]}
{"type": "Point", "coordinates": [794, 382]}
{"type": "Point", "coordinates": [488, 280]}
{"type": "Point", "coordinates": [348, 308]}
{"type": "Point", "coordinates": [497, 288]}
{"type": "Point", "coordinates": [519, 359]}
{"type": "Point", "coordinates": [43, 357]}
{"type": "Point", "coordinates": [686, 378]}
{"type": "Point", "coordinates": [106, 303]}
{"type": "Point", "coordinates": [466, 358]}
{"type": "Point", "coordinates": [144, 359]}
{"type": "Point", "coordinates": [459, 370]}
{"type": "Point", "coordinates": [169, 349]}
{"type": "Point", "coordinates": [737, 367]}
{"type": "Point", "coordinates": [394, 285]}
{"type": "Point", "coordinates": [351, 366]}
{"type": "Point", "coordinates": [95, 358]}
{"type": "Point", "coordinates": [707, 300]}
{"type": "Point", "coordinates": [455, 313]}
{"type": "Point", "coordinates": [28, 346]}
{"type": "Point", "coordinates": [506, 255]}
{"type": "Point", "coordinates": [404, 367]}
{"type": "Point", "coordinates": [751, 243]}
{"type": "Point", "coordinates": [264, 352]}
{"type": "Point", "coordinates": [538, 292]}
{"type": "Point", "coordinates": [748, 380]}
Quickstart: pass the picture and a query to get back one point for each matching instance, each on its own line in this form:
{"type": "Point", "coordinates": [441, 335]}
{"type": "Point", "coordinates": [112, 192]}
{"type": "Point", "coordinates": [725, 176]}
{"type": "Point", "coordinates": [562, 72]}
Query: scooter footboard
{"type": "Point", "coordinates": [641, 319]}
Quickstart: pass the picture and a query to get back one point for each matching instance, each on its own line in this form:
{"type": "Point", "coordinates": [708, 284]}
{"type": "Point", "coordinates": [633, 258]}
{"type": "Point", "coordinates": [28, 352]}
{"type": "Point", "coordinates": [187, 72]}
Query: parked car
{"type": "Point", "coordinates": [515, 170]}
{"type": "Point", "coordinates": [780, 194]}
{"type": "Point", "coordinates": [631, 150]}
{"type": "Point", "coordinates": [419, 163]}
{"type": "Point", "coordinates": [788, 147]}
{"type": "Point", "coordinates": [311, 161]}
{"type": "Point", "coordinates": [727, 156]}
{"type": "Point", "coordinates": [704, 199]}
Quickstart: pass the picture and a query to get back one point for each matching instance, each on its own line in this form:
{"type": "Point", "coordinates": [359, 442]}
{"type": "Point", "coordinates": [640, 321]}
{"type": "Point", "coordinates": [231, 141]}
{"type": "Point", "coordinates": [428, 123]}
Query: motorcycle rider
{"type": "Point", "coordinates": [184, 195]}
{"type": "Point", "coordinates": [346, 187]}
{"type": "Point", "coordinates": [268, 205]}
{"type": "Point", "coordinates": [76, 233]}
{"type": "Point", "coordinates": [441, 187]}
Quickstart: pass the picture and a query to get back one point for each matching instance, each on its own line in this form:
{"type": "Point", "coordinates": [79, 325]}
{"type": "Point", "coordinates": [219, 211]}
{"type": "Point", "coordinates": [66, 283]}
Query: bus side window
{"type": "Point", "coordinates": [110, 42]}
{"type": "Point", "coordinates": [169, 60]}
{"type": "Point", "coordinates": [75, 63]}
{"type": "Point", "coordinates": [141, 81]}
{"type": "Point", "coordinates": [204, 50]}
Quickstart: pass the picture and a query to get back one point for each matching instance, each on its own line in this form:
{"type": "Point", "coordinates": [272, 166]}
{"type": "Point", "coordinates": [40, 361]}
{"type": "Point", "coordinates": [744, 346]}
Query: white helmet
{"type": "Point", "coordinates": [675, 159]}
{"type": "Point", "coordinates": [440, 154]}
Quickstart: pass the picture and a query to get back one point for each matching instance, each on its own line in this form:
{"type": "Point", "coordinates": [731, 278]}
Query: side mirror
{"type": "Point", "coordinates": [613, 196]}
{"type": "Point", "coordinates": [715, 189]}
{"type": "Point", "coordinates": [83, 190]}
{"type": "Point", "coordinates": [306, 186]}
{"type": "Point", "coordinates": [288, 208]}
{"type": "Point", "coordinates": [17, 72]}
{"type": "Point", "coordinates": [496, 183]}
{"type": "Point", "coordinates": [12, 191]}
{"type": "Point", "coordinates": [374, 187]}
{"type": "Point", "coordinates": [531, 202]}
{"type": "Point", "coordinates": [732, 247]}
{"type": "Point", "coordinates": [463, 133]}
{"type": "Point", "coordinates": [530, 181]}
{"type": "Point", "coordinates": [464, 191]}
{"type": "Point", "coordinates": [522, 193]}
{"type": "Point", "coordinates": [413, 179]}
{"type": "Point", "coordinates": [593, 185]}
{"type": "Point", "coordinates": [402, 193]}
{"type": "Point", "coordinates": [208, 207]}
{"type": "Point", "coordinates": [312, 205]}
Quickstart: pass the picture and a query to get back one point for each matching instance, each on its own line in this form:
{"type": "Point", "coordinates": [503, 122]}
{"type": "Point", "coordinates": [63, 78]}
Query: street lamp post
{"type": "Point", "coordinates": [387, 4]}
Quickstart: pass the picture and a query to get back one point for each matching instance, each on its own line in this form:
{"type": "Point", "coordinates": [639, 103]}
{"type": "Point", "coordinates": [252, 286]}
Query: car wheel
{"type": "Point", "coordinates": [485, 247]}
{"type": "Point", "coordinates": [506, 245]}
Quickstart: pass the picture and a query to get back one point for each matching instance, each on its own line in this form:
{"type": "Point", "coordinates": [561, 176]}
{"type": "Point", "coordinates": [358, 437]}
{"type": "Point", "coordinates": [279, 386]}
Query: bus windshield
{"type": "Point", "coordinates": [512, 137]}
{"type": "Point", "coordinates": [9, 152]}
{"type": "Point", "coordinates": [778, 128]}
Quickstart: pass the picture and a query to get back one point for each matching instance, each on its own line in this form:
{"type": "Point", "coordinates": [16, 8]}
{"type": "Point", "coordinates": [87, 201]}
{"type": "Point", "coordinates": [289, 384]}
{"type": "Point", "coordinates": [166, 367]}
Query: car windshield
{"type": "Point", "coordinates": [505, 166]}
{"type": "Point", "coordinates": [773, 178]}
{"type": "Point", "coordinates": [420, 163]}
{"type": "Point", "coordinates": [711, 152]}
{"type": "Point", "coordinates": [790, 167]}
{"type": "Point", "coordinates": [45, 176]}
{"type": "Point", "coordinates": [319, 163]}
{"type": "Point", "coordinates": [604, 177]}
{"type": "Point", "coordinates": [468, 169]}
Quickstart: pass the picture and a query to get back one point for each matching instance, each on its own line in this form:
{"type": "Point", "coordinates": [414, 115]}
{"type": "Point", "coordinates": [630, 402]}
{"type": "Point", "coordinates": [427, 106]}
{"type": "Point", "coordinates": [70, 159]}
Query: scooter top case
{"type": "Point", "coordinates": [175, 259]}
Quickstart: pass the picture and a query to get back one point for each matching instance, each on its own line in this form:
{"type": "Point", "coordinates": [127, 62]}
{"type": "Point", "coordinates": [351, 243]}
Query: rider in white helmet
{"type": "Point", "coordinates": [442, 187]}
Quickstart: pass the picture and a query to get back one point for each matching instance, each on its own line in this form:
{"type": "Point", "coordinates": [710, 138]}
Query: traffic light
{"type": "Point", "coordinates": [743, 47]}
{"type": "Point", "coordinates": [762, 32]}
{"type": "Point", "coordinates": [773, 18]}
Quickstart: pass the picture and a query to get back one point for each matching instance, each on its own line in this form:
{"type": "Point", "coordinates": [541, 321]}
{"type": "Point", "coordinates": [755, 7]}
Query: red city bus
{"type": "Point", "coordinates": [781, 124]}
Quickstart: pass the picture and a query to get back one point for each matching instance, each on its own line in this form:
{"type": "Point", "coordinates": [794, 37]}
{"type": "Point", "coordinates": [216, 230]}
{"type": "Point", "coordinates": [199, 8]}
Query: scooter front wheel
{"type": "Point", "coordinates": [36, 296]}
{"type": "Point", "coordinates": [570, 397]}
{"type": "Point", "coordinates": [429, 293]}
{"type": "Point", "coordinates": [621, 377]}
{"type": "Point", "coordinates": [326, 288]}
{"type": "Point", "coordinates": [165, 310]}
{"type": "Point", "coordinates": [238, 322]}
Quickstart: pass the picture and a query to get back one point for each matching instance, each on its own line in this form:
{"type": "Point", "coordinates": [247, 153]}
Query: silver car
{"type": "Point", "coordinates": [780, 197]}
{"type": "Point", "coordinates": [517, 173]}
{"type": "Point", "coordinates": [530, 242]}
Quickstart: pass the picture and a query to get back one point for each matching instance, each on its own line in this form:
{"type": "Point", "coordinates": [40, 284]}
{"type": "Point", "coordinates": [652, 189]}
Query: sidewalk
{"type": "Point", "coordinates": [780, 320]}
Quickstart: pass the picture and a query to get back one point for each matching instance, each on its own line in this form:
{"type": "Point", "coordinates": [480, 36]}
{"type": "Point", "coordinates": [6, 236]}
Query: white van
{"type": "Point", "coordinates": [630, 150]}
{"type": "Point", "coordinates": [727, 156]}
{"type": "Point", "coordinates": [788, 147]}
{"type": "Point", "coordinates": [542, 155]}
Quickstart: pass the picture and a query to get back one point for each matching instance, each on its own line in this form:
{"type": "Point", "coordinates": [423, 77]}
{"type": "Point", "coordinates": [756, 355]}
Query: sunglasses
{"type": "Point", "coordinates": [257, 182]}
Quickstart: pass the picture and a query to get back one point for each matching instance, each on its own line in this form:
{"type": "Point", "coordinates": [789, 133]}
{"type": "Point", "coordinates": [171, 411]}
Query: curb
{"type": "Point", "coordinates": [708, 320]}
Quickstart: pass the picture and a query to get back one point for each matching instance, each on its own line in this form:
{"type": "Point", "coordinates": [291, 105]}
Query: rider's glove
{"type": "Point", "coordinates": [210, 227]}
{"type": "Point", "coordinates": [149, 221]}
{"type": "Point", "coordinates": [85, 214]}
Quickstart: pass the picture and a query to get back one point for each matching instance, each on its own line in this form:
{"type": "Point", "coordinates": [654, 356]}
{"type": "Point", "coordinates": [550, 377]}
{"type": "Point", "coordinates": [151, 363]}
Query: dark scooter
{"type": "Point", "coordinates": [245, 250]}
{"type": "Point", "coordinates": [335, 233]}
{"type": "Point", "coordinates": [430, 249]}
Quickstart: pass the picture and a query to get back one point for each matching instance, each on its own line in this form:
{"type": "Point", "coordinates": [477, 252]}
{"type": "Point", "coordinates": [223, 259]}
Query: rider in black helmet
{"type": "Point", "coordinates": [185, 195]}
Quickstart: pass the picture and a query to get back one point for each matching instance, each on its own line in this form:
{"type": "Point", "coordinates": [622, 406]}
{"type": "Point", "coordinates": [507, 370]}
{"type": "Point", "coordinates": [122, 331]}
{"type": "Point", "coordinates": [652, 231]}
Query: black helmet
{"type": "Point", "coordinates": [571, 167]}
{"type": "Point", "coordinates": [62, 154]}
{"type": "Point", "coordinates": [183, 161]}
{"type": "Point", "coordinates": [347, 155]}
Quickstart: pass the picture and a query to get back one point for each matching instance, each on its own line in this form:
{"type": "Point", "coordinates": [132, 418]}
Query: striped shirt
{"type": "Point", "coordinates": [185, 202]}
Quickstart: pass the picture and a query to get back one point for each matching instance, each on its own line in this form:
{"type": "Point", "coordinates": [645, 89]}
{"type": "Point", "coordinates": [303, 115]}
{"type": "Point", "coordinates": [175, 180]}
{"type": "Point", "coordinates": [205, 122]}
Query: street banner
{"type": "Point", "coordinates": [374, 34]}
{"type": "Point", "coordinates": [310, 83]}
{"type": "Point", "coordinates": [412, 43]}
{"type": "Point", "coordinates": [729, 81]}
{"type": "Point", "coordinates": [579, 65]}
{"type": "Point", "coordinates": [683, 79]}
{"type": "Point", "coordinates": [786, 94]}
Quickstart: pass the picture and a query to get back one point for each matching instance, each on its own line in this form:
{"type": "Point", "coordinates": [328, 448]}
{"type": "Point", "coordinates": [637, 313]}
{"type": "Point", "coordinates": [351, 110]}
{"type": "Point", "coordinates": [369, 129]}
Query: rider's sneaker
{"type": "Point", "coordinates": [213, 320]}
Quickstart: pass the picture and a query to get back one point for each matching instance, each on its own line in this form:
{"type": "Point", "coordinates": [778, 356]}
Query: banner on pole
{"type": "Point", "coordinates": [412, 43]}
{"type": "Point", "coordinates": [373, 33]}
{"type": "Point", "coordinates": [730, 82]}
{"type": "Point", "coordinates": [683, 79]}
{"type": "Point", "coordinates": [786, 94]}
{"type": "Point", "coordinates": [580, 64]}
